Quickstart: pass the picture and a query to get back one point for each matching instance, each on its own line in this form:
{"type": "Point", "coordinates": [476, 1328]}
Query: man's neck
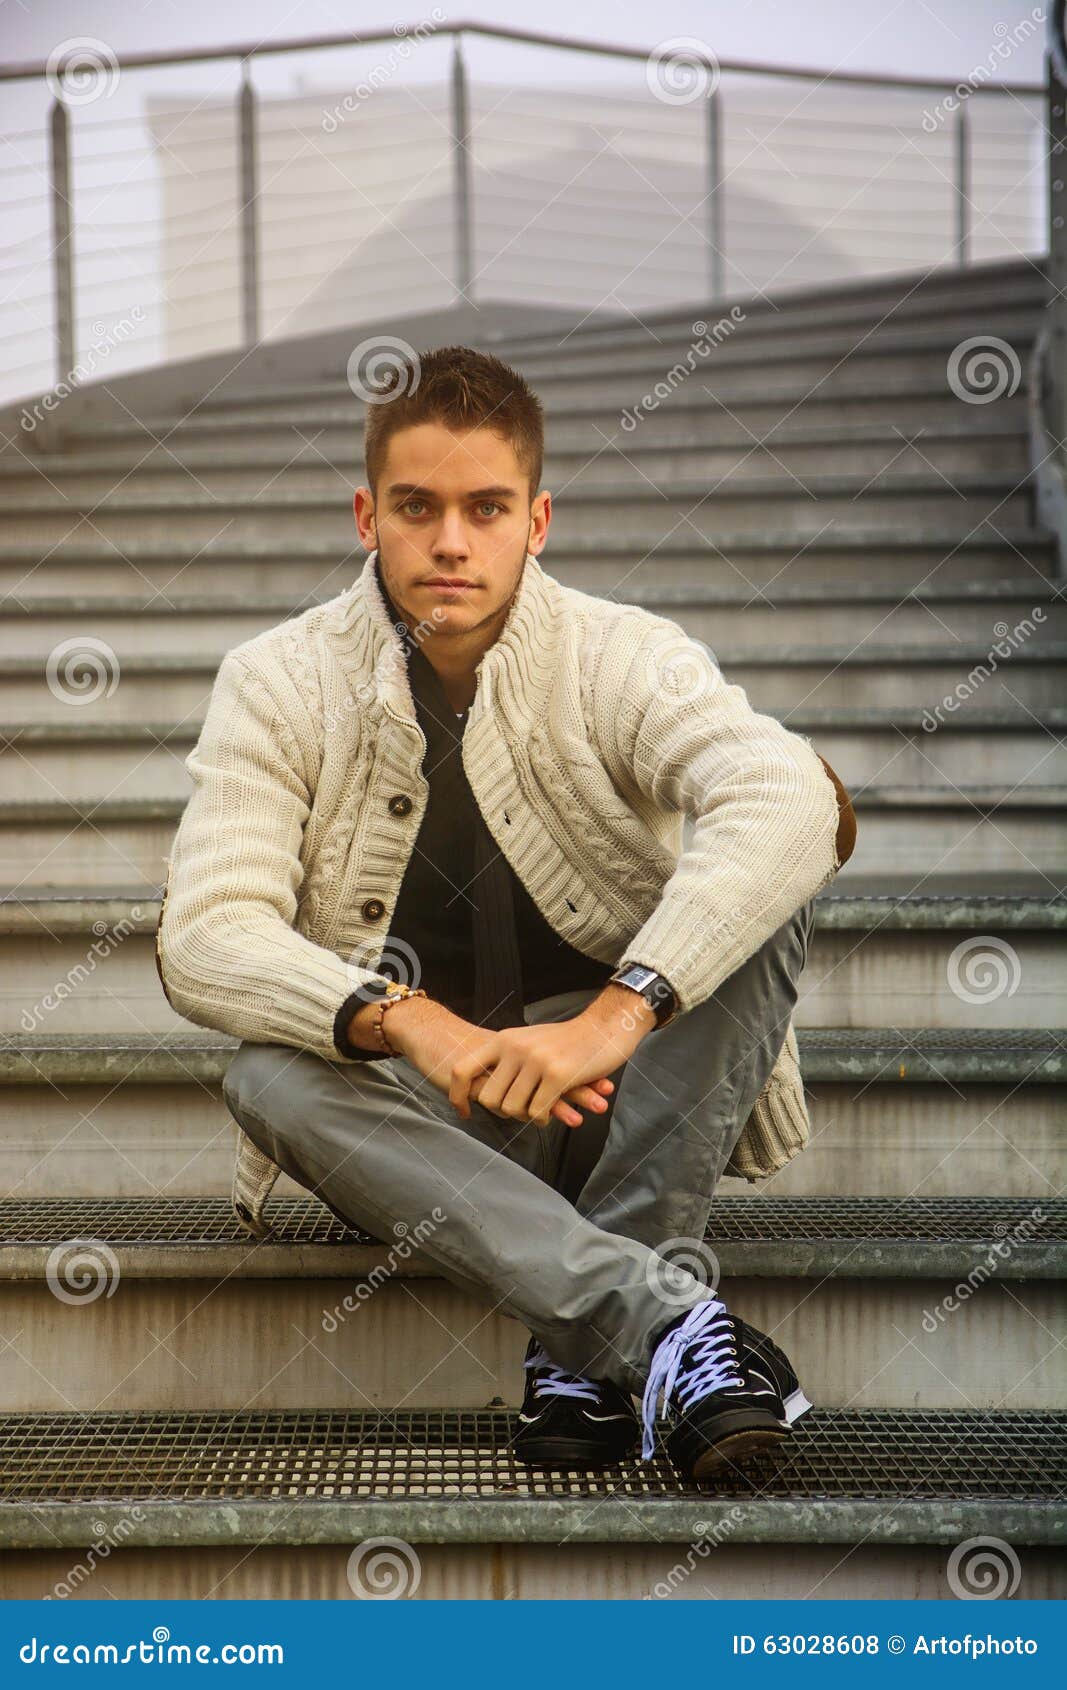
{"type": "Point", "coordinates": [455, 668]}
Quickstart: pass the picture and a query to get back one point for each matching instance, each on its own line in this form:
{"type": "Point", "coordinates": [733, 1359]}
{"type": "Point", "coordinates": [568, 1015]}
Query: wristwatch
{"type": "Point", "coordinates": [657, 992]}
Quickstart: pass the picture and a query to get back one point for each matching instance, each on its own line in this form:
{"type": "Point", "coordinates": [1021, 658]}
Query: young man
{"type": "Point", "coordinates": [433, 875]}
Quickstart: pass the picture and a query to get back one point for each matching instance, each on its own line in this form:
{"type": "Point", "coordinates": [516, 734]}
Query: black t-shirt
{"type": "Point", "coordinates": [444, 895]}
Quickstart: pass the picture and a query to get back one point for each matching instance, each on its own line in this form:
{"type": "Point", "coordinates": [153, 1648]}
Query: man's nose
{"type": "Point", "coordinates": [451, 536]}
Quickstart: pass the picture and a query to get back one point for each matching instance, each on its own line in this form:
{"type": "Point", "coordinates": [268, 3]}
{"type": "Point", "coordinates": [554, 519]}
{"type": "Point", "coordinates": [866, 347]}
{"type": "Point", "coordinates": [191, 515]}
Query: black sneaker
{"type": "Point", "coordinates": [569, 1421]}
{"type": "Point", "coordinates": [728, 1392]}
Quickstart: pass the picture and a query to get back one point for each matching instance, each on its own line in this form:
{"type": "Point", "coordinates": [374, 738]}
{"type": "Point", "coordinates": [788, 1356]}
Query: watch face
{"type": "Point", "coordinates": [639, 976]}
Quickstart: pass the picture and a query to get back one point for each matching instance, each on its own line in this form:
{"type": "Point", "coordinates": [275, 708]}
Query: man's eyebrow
{"type": "Point", "coordinates": [408, 487]}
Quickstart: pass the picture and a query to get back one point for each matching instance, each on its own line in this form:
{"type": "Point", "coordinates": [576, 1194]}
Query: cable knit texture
{"type": "Point", "coordinates": [595, 729]}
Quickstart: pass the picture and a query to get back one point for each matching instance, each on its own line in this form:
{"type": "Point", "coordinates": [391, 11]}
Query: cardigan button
{"type": "Point", "coordinates": [400, 804]}
{"type": "Point", "coordinates": [373, 909]}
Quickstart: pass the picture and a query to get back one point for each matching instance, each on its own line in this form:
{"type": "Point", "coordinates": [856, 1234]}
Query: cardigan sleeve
{"type": "Point", "coordinates": [766, 812]}
{"type": "Point", "coordinates": [228, 954]}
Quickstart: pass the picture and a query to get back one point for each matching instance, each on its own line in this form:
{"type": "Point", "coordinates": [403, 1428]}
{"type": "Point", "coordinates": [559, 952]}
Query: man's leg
{"type": "Point", "coordinates": [649, 1166]}
{"type": "Point", "coordinates": [378, 1144]}
{"type": "Point", "coordinates": [650, 1172]}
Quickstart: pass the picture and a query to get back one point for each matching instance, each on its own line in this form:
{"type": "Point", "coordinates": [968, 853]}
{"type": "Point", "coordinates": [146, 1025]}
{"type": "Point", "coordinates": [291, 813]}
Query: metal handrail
{"type": "Point", "coordinates": [527, 37]}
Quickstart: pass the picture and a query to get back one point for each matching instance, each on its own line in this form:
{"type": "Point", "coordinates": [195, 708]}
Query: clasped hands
{"type": "Point", "coordinates": [548, 1071]}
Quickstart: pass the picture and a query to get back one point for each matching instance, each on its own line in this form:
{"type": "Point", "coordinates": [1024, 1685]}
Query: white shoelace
{"type": "Point", "coordinates": [556, 1382]}
{"type": "Point", "coordinates": [710, 1370]}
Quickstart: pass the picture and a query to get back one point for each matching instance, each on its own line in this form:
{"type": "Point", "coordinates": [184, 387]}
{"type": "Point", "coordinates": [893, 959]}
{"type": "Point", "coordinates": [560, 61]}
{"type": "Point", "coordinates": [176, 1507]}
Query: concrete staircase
{"type": "Point", "coordinates": [851, 539]}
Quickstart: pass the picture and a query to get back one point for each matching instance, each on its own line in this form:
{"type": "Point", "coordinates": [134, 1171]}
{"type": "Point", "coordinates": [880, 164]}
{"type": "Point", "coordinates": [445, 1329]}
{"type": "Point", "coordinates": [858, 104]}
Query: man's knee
{"type": "Point", "coordinates": [257, 1072]}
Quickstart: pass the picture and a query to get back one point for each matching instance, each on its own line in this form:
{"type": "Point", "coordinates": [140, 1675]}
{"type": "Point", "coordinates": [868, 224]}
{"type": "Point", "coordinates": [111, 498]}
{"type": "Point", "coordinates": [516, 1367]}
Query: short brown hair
{"type": "Point", "coordinates": [463, 389]}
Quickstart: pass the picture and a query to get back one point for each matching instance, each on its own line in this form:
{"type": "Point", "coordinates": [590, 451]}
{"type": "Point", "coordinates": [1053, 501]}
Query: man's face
{"type": "Point", "coordinates": [452, 507]}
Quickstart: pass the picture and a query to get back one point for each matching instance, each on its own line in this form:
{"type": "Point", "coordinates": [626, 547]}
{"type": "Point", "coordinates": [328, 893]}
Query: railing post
{"type": "Point", "coordinates": [62, 248]}
{"type": "Point", "coordinates": [1057, 242]}
{"type": "Point", "coordinates": [716, 192]}
{"type": "Point", "coordinates": [462, 178]}
{"type": "Point", "coordinates": [249, 189]}
{"type": "Point", "coordinates": [963, 185]}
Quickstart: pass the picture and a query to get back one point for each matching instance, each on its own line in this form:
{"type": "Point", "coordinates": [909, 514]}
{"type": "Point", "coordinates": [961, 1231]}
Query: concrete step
{"type": "Point", "coordinates": [895, 1112]}
{"type": "Point", "coordinates": [643, 510]}
{"type": "Point", "coordinates": [120, 685]}
{"type": "Point", "coordinates": [753, 395]}
{"type": "Point", "coordinates": [829, 358]}
{"type": "Point", "coordinates": [985, 294]}
{"type": "Point", "coordinates": [856, 1297]}
{"type": "Point", "coordinates": [988, 747]}
{"type": "Point", "coordinates": [880, 351]}
{"type": "Point", "coordinates": [1014, 609]}
{"type": "Point", "coordinates": [578, 435]}
{"type": "Point", "coordinates": [112, 843]}
{"type": "Point", "coordinates": [710, 446]}
{"type": "Point", "coordinates": [880, 675]}
{"type": "Point", "coordinates": [739, 328]}
{"type": "Point", "coordinates": [963, 830]}
{"type": "Point", "coordinates": [926, 957]}
{"type": "Point", "coordinates": [865, 1503]}
{"type": "Point", "coordinates": [308, 569]}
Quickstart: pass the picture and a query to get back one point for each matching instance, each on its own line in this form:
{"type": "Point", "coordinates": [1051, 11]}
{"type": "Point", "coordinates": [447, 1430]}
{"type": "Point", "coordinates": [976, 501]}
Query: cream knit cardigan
{"type": "Point", "coordinates": [595, 729]}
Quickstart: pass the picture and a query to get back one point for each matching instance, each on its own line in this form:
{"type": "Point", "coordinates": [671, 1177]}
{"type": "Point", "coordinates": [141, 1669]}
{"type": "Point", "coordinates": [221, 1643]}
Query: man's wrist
{"type": "Point", "coordinates": [400, 1019]}
{"type": "Point", "coordinates": [652, 987]}
{"type": "Point", "coordinates": [361, 1029]}
{"type": "Point", "coordinates": [622, 1012]}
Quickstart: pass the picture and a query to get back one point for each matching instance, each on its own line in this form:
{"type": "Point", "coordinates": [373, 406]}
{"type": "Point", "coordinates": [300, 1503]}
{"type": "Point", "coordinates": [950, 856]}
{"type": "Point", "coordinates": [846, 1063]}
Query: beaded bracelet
{"type": "Point", "coordinates": [392, 997]}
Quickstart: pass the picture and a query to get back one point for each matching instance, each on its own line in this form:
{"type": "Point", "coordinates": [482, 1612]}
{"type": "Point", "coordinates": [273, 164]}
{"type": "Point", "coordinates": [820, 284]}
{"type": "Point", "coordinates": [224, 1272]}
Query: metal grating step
{"type": "Point", "coordinates": [847, 1237]}
{"type": "Point", "coordinates": [437, 1475]}
{"type": "Point", "coordinates": [438, 1452]}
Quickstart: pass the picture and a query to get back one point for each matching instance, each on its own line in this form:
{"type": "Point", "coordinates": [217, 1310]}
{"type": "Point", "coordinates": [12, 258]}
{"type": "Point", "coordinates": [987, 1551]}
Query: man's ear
{"type": "Point", "coordinates": [846, 816]}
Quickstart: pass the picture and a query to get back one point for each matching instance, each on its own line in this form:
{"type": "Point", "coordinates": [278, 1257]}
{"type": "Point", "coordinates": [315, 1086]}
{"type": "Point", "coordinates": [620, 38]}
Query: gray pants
{"type": "Point", "coordinates": [558, 1226]}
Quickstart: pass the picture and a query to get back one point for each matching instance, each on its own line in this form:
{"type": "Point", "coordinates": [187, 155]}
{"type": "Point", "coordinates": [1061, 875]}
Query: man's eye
{"type": "Point", "coordinates": [490, 504]}
{"type": "Point", "coordinates": [406, 506]}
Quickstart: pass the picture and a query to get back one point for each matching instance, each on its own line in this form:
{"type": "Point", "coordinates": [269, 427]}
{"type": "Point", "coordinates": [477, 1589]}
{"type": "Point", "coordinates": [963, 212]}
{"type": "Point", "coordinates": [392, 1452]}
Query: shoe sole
{"type": "Point", "coordinates": [560, 1452]}
{"type": "Point", "coordinates": [736, 1448]}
